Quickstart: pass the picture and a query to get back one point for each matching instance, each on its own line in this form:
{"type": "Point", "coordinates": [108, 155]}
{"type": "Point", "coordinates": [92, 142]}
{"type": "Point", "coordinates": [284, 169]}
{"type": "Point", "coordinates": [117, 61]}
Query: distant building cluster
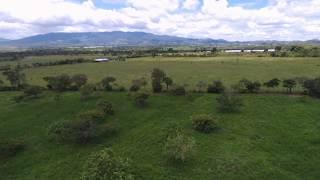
{"type": "Point", "coordinates": [249, 50]}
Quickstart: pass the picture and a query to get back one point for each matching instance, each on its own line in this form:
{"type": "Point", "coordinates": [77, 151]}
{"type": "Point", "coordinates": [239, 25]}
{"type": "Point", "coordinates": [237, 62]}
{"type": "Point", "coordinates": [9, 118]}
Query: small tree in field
{"type": "Point", "coordinates": [273, 83]}
{"type": "Point", "coordinates": [289, 84]}
{"type": "Point", "coordinates": [204, 123]}
{"type": "Point", "coordinates": [107, 83]}
{"type": "Point", "coordinates": [216, 87]}
{"type": "Point", "coordinates": [313, 87]}
{"type": "Point", "coordinates": [86, 91]}
{"type": "Point", "coordinates": [104, 165]}
{"type": "Point", "coordinates": [106, 107]}
{"type": "Point", "coordinates": [140, 99]}
{"type": "Point", "coordinates": [229, 102]}
{"type": "Point", "coordinates": [32, 91]}
{"type": "Point", "coordinates": [179, 147]}
{"type": "Point", "coordinates": [15, 76]}
{"type": "Point", "coordinates": [79, 80]}
{"type": "Point", "coordinates": [168, 81]}
{"type": "Point", "coordinates": [157, 77]}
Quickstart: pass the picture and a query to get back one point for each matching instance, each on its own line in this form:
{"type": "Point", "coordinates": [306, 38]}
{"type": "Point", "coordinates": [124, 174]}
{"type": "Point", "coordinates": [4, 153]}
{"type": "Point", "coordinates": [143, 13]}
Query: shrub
{"type": "Point", "coordinates": [216, 87]}
{"type": "Point", "coordinates": [272, 83]}
{"type": "Point", "coordinates": [157, 77]}
{"type": "Point", "coordinates": [179, 147]}
{"type": "Point", "coordinates": [105, 165]}
{"type": "Point", "coordinates": [289, 84]}
{"type": "Point", "coordinates": [134, 88]}
{"type": "Point", "coordinates": [79, 131]}
{"type": "Point", "coordinates": [246, 86]}
{"type": "Point", "coordinates": [201, 85]}
{"type": "Point", "coordinates": [313, 87]}
{"type": "Point", "coordinates": [10, 148]}
{"type": "Point", "coordinates": [140, 99]}
{"type": "Point", "coordinates": [87, 90]}
{"type": "Point", "coordinates": [106, 107]}
{"type": "Point", "coordinates": [79, 80]}
{"type": "Point", "coordinates": [204, 123]}
{"type": "Point", "coordinates": [107, 83]}
{"type": "Point", "coordinates": [229, 102]}
{"type": "Point", "coordinates": [179, 91]}
{"type": "Point", "coordinates": [92, 115]}
{"type": "Point", "coordinates": [32, 91]}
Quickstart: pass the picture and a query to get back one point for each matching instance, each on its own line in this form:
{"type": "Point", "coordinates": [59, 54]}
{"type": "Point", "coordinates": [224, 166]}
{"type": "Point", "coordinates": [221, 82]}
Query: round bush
{"type": "Point", "coordinates": [204, 123]}
{"type": "Point", "coordinates": [105, 165]}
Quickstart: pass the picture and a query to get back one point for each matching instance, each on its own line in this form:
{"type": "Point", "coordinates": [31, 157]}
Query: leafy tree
{"type": "Point", "coordinates": [32, 91]}
{"type": "Point", "coordinates": [59, 83]}
{"type": "Point", "coordinates": [204, 123]}
{"type": "Point", "coordinates": [15, 76]}
{"type": "Point", "coordinates": [289, 84]}
{"type": "Point", "coordinates": [106, 107]}
{"type": "Point", "coordinates": [104, 165]}
{"type": "Point", "coordinates": [253, 87]}
{"type": "Point", "coordinates": [107, 83]}
{"type": "Point", "coordinates": [157, 77]}
{"type": "Point", "coordinates": [86, 91]}
{"type": "Point", "coordinates": [79, 80]}
{"type": "Point", "coordinates": [179, 91]}
{"type": "Point", "coordinates": [179, 146]}
{"type": "Point", "coordinates": [137, 84]}
{"type": "Point", "coordinates": [201, 85]}
{"type": "Point", "coordinates": [229, 103]}
{"type": "Point", "coordinates": [313, 87]}
{"type": "Point", "coordinates": [168, 81]}
{"type": "Point", "coordinates": [140, 99]}
{"type": "Point", "coordinates": [272, 83]}
{"type": "Point", "coordinates": [246, 86]}
{"type": "Point", "coordinates": [216, 87]}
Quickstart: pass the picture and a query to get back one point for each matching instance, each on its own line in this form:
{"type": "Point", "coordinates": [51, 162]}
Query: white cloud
{"type": "Point", "coordinates": [281, 19]}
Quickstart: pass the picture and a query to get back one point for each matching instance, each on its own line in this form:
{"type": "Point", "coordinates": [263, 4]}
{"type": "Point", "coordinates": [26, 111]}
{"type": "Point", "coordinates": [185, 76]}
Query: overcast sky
{"type": "Point", "coordinates": [217, 19]}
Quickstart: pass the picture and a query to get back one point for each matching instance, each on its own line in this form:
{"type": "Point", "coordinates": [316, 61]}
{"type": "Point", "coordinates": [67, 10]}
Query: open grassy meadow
{"type": "Point", "coordinates": [186, 70]}
{"type": "Point", "coordinates": [274, 137]}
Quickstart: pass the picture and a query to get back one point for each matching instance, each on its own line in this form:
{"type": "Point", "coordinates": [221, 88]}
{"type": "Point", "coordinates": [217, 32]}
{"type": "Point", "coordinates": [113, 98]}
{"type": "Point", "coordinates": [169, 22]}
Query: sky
{"type": "Point", "coordinates": [234, 20]}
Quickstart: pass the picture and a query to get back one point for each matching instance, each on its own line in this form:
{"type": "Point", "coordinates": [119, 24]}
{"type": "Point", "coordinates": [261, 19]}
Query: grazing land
{"type": "Point", "coordinates": [184, 70]}
{"type": "Point", "coordinates": [274, 137]}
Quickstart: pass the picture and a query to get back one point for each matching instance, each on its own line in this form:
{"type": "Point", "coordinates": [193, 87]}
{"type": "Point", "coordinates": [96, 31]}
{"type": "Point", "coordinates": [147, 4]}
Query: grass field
{"type": "Point", "coordinates": [187, 70]}
{"type": "Point", "coordinates": [274, 137]}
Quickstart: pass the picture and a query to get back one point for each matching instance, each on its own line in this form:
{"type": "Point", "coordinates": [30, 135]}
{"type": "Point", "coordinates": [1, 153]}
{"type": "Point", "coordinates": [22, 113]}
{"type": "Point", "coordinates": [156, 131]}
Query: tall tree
{"type": "Point", "coordinates": [15, 76]}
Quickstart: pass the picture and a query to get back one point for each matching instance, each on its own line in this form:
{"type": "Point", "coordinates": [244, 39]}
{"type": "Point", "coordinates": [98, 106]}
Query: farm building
{"type": "Point", "coordinates": [102, 60]}
{"type": "Point", "coordinates": [233, 51]}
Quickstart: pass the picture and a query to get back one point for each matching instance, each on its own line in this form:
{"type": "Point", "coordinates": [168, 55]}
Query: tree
{"type": "Point", "coordinates": [253, 87]}
{"type": "Point", "coordinates": [272, 83]}
{"type": "Point", "coordinates": [289, 84]}
{"type": "Point", "coordinates": [106, 107]}
{"type": "Point", "coordinates": [104, 165]}
{"type": "Point", "coordinates": [32, 91]}
{"type": "Point", "coordinates": [86, 91]}
{"type": "Point", "coordinates": [313, 87]}
{"type": "Point", "coordinates": [168, 81]}
{"type": "Point", "coordinates": [1, 83]}
{"type": "Point", "coordinates": [79, 80]}
{"type": "Point", "coordinates": [137, 84]}
{"type": "Point", "coordinates": [15, 76]}
{"type": "Point", "coordinates": [246, 86]}
{"type": "Point", "coordinates": [179, 146]}
{"type": "Point", "coordinates": [229, 103]}
{"type": "Point", "coordinates": [59, 83]}
{"type": "Point", "coordinates": [201, 85]}
{"type": "Point", "coordinates": [179, 91]}
{"type": "Point", "coordinates": [204, 123]}
{"type": "Point", "coordinates": [106, 83]}
{"type": "Point", "coordinates": [140, 99]}
{"type": "Point", "coordinates": [157, 77]}
{"type": "Point", "coordinates": [216, 87]}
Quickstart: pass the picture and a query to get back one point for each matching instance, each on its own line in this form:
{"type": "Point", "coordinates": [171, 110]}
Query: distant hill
{"type": "Point", "coordinates": [3, 40]}
{"type": "Point", "coordinates": [115, 38]}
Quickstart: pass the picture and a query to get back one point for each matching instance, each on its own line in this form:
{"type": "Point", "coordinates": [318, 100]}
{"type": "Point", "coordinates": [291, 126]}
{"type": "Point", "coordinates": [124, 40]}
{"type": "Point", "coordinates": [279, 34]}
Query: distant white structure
{"type": "Point", "coordinates": [271, 50]}
{"type": "Point", "coordinates": [102, 60]}
{"type": "Point", "coordinates": [258, 50]}
{"type": "Point", "coordinates": [233, 51]}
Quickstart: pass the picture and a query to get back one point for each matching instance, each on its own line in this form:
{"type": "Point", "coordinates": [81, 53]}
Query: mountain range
{"type": "Point", "coordinates": [118, 38]}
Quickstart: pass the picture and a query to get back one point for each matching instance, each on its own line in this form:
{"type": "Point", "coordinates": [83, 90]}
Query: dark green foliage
{"type": "Point", "coordinates": [289, 84]}
{"type": "Point", "coordinates": [168, 81]}
{"type": "Point", "coordinates": [107, 83]}
{"type": "Point", "coordinates": [134, 88]}
{"type": "Point", "coordinates": [272, 83]}
{"type": "Point", "coordinates": [106, 107]}
{"type": "Point", "coordinates": [59, 83]}
{"type": "Point", "coordinates": [32, 91]}
{"type": "Point", "coordinates": [140, 99]}
{"type": "Point", "coordinates": [253, 87]}
{"type": "Point", "coordinates": [15, 76]}
{"type": "Point", "coordinates": [216, 87]}
{"type": "Point", "coordinates": [86, 91]}
{"type": "Point", "coordinates": [313, 87]}
{"type": "Point", "coordinates": [179, 146]}
{"type": "Point", "coordinates": [157, 77]}
{"type": "Point", "coordinates": [78, 131]}
{"type": "Point", "coordinates": [178, 91]}
{"type": "Point", "coordinates": [201, 85]}
{"type": "Point", "coordinates": [1, 83]}
{"type": "Point", "coordinates": [79, 80]}
{"type": "Point", "coordinates": [96, 115]}
{"type": "Point", "coordinates": [138, 84]}
{"type": "Point", "coordinates": [204, 123]}
{"type": "Point", "coordinates": [104, 165]}
{"type": "Point", "coordinates": [246, 86]}
{"type": "Point", "coordinates": [229, 102]}
{"type": "Point", "coordinates": [9, 148]}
